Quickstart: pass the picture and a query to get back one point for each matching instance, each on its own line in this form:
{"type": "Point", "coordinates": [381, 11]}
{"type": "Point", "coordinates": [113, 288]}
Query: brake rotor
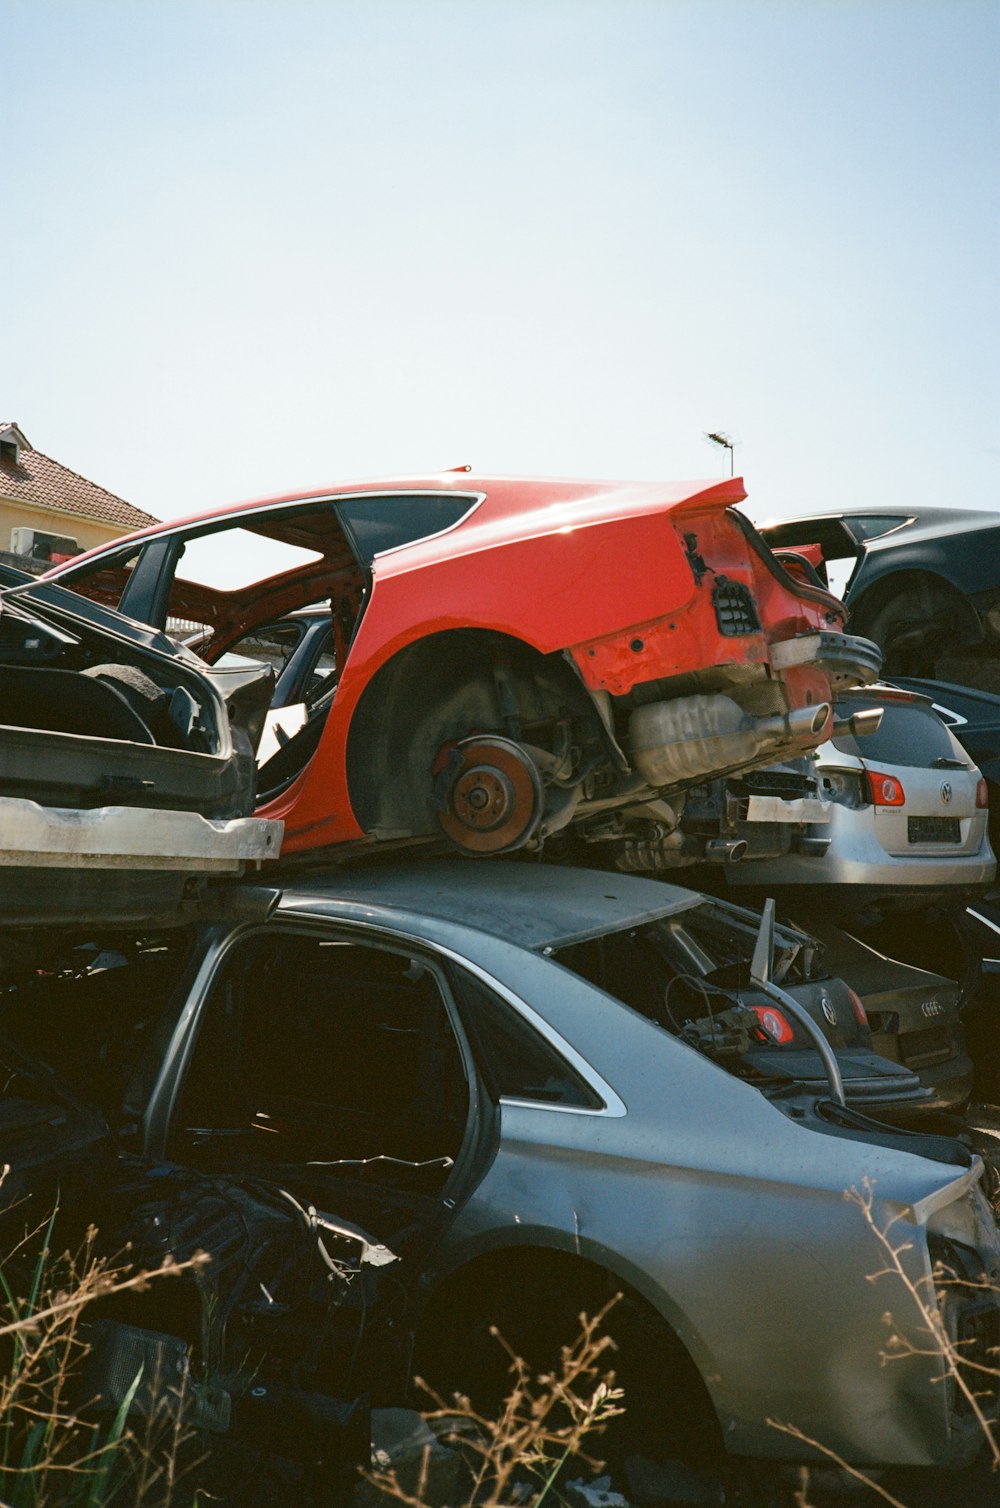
{"type": "Point", "coordinates": [492, 801]}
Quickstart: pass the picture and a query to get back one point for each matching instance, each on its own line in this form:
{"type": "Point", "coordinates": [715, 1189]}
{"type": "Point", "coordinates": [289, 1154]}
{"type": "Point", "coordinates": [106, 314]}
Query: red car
{"type": "Point", "coordinates": [511, 655]}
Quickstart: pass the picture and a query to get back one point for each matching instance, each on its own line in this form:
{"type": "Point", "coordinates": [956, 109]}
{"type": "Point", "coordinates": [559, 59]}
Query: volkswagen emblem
{"type": "Point", "coordinates": [828, 1010]}
{"type": "Point", "coordinates": [946, 791]}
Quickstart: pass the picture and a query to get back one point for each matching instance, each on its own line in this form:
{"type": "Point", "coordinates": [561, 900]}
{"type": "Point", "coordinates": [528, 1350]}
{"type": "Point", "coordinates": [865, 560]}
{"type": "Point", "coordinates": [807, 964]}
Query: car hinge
{"type": "Point", "coordinates": [233, 902]}
{"type": "Point", "coordinates": [697, 562]}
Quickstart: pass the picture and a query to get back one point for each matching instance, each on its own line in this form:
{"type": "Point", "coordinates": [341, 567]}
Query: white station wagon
{"type": "Point", "coordinates": [900, 815]}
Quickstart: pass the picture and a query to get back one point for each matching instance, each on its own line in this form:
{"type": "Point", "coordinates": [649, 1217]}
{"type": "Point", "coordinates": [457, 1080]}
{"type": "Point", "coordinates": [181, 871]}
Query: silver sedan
{"type": "Point", "coordinates": [501, 1072]}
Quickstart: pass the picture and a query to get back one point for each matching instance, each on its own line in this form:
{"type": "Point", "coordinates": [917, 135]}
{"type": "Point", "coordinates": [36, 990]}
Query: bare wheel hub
{"type": "Point", "coordinates": [492, 801]}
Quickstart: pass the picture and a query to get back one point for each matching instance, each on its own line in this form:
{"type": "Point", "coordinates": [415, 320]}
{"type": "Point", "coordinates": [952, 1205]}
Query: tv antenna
{"type": "Point", "coordinates": [716, 437]}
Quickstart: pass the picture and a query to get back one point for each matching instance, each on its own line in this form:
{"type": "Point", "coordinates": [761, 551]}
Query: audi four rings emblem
{"type": "Point", "coordinates": [946, 791]}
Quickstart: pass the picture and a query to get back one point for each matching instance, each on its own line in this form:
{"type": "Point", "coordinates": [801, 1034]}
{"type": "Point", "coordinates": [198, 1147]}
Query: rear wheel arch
{"type": "Point", "coordinates": [534, 1295]}
{"type": "Point", "coordinates": [438, 688]}
{"type": "Point", "coordinates": [915, 616]}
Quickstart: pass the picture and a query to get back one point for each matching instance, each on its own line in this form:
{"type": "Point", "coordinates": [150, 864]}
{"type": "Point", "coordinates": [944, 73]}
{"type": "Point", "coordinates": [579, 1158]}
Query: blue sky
{"type": "Point", "coordinates": [255, 244]}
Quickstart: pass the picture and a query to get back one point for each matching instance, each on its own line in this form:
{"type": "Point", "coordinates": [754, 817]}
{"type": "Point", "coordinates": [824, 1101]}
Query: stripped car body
{"type": "Point", "coordinates": [512, 656]}
{"type": "Point", "coordinates": [503, 1123]}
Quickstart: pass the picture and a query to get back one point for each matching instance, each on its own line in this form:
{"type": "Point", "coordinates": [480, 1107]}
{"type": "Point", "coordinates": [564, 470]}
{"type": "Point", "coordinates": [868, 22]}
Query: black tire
{"type": "Point", "coordinates": [915, 627]}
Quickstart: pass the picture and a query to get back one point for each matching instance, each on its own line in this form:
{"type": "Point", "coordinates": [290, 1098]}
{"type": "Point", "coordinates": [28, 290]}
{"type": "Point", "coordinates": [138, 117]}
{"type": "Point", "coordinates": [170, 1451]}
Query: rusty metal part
{"type": "Point", "coordinates": [493, 799]}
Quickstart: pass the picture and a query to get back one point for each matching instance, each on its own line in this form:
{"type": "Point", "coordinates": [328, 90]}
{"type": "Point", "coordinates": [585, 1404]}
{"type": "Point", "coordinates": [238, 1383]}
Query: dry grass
{"type": "Point", "coordinates": [543, 1426]}
{"type": "Point", "coordinates": [929, 1296]}
{"type": "Point", "coordinates": [56, 1454]}
{"type": "Point", "coordinates": [53, 1454]}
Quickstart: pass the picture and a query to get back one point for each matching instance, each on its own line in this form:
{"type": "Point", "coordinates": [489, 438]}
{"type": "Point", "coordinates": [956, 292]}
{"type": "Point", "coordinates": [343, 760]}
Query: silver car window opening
{"type": "Point", "coordinates": [689, 945]}
{"type": "Point", "coordinates": [195, 528]}
{"type": "Point", "coordinates": [157, 1122]}
{"type": "Point", "coordinates": [159, 1113]}
{"type": "Point", "coordinates": [662, 913]}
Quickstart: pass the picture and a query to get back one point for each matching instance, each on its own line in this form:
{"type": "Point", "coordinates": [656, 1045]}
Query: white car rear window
{"type": "Point", "coordinates": [910, 735]}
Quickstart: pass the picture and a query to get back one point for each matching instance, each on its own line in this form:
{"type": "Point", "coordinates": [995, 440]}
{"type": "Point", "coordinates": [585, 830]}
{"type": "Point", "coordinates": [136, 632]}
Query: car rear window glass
{"type": "Point", "coordinates": [910, 735]}
{"type": "Point", "coordinates": [519, 1063]}
{"type": "Point", "coordinates": [376, 524]}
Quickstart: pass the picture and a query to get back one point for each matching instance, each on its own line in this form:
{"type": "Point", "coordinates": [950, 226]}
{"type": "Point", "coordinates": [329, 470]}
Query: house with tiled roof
{"type": "Point", "coordinates": [48, 512]}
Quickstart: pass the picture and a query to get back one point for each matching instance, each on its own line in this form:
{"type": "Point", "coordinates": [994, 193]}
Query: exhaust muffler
{"type": "Point", "coordinates": [696, 736]}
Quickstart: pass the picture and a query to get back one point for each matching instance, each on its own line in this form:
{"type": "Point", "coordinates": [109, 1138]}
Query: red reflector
{"type": "Point", "coordinates": [886, 790]}
{"type": "Point", "coordinates": [859, 1009]}
{"type": "Point", "coordinates": [774, 1023]}
{"type": "Point", "coordinates": [983, 796]}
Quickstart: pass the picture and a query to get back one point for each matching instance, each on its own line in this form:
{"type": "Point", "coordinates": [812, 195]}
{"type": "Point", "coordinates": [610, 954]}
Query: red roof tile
{"type": "Point", "coordinates": [37, 479]}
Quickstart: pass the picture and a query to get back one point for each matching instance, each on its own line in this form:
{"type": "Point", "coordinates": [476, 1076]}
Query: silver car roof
{"type": "Point", "coordinates": [535, 906]}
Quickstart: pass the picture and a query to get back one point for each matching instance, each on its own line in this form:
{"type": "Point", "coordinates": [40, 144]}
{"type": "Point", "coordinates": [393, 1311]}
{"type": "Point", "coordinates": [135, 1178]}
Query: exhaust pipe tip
{"type": "Point", "coordinates": [807, 722]}
{"type": "Point", "coordinates": [725, 850]}
{"type": "Point", "coordinates": [860, 724]}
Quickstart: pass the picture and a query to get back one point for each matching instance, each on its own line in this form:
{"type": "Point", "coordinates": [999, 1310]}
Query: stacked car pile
{"type": "Point", "coordinates": [516, 1087]}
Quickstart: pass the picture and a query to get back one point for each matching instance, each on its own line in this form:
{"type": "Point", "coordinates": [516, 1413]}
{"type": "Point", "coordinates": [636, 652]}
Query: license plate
{"type": "Point", "coordinates": [933, 830]}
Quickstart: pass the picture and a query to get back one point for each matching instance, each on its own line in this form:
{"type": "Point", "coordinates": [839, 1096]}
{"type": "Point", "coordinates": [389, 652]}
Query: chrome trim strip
{"type": "Point", "coordinates": [874, 538]}
{"type": "Point", "coordinates": [256, 510]}
{"type": "Point", "coordinates": [614, 1105]}
{"type": "Point", "coordinates": [948, 717]}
